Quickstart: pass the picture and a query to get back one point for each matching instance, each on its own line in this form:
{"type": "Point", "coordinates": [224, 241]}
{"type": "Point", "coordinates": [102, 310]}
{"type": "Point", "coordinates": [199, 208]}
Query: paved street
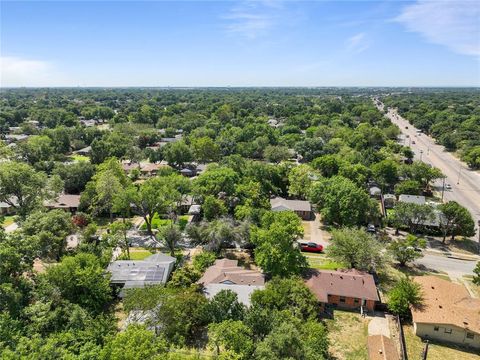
{"type": "Point", "coordinates": [446, 264]}
{"type": "Point", "coordinates": [464, 182]}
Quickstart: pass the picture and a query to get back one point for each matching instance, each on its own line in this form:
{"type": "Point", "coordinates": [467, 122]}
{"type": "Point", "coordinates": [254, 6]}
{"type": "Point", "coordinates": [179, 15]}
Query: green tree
{"type": "Point", "coordinates": [136, 342]}
{"type": "Point", "coordinates": [405, 250]}
{"type": "Point", "coordinates": [293, 341]}
{"type": "Point", "coordinates": [408, 187]}
{"type": "Point", "coordinates": [182, 315]}
{"type": "Point", "coordinates": [75, 175]}
{"type": "Point", "coordinates": [456, 220]}
{"type": "Point", "coordinates": [203, 260]}
{"type": "Point", "coordinates": [216, 180]}
{"type": "Point", "coordinates": [277, 251]}
{"type": "Point", "coordinates": [412, 215]}
{"type": "Point", "coordinates": [290, 294]}
{"type": "Point", "coordinates": [205, 149]}
{"type": "Point", "coordinates": [476, 278]}
{"type": "Point", "coordinates": [231, 335]}
{"type": "Point", "coordinates": [328, 165]}
{"type": "Point", "coordinates": [300, 179]}
{"type": "Point", "coordinates": [276, 154]}
{"type": "Point", "coordinates": [213, 207]}
{"type": "Point", "coordinates": [79, 279]}
{"type": "Point", "coordinates": [385, 172]}
{"type": "Point", "coordinates": [404, 294]}
{"type": "Point", "coordinates": [356, 248]}
{"type": "Point", "coordinates": [341, 201]}
{"type": "Point", "coordinates": [177, 153]}
{"type": "Point", "coordinates": [171, 236]}
{"type": "Point", "coordinates": [225, 306]}
{"type": "Point", "coordinates": [36, 150]}
{"type": "Point", "coordinates": [23, 188]}
{"type": "Point", "coordinates": [49, 231]}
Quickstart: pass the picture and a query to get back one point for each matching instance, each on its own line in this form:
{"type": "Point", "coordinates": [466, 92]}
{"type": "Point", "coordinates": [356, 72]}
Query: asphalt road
{"type": "Point", "coordinates": [446, 264]}
{"type": "Point", "coordinates": [465, 183]}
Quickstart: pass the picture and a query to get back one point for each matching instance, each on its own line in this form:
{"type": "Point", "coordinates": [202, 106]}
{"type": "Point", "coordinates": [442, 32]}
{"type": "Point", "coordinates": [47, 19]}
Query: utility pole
{"type": "Point", "coordinates": [443, 191]}
{"type": "Point", "coordinates": [425, 351]}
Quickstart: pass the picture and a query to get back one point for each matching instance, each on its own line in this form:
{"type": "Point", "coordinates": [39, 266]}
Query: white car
{"type": "Point", "coordinates": [448, 187]}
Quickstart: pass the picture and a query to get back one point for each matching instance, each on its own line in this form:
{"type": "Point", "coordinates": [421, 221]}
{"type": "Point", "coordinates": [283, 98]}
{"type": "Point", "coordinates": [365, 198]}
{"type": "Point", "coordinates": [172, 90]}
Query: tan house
{"type": "Point", "coordinates": [448, 314]}
{"type": "Point", "coordinates": [301, 207]}
{"type": "Point", "coordinates": [381, 347]}
{"type": "Point", "coordinates": [225, 274]}
{"type": "Point", "coordinates": [349, 289]}
{"type": "Point", "coordinates": [65, 202]}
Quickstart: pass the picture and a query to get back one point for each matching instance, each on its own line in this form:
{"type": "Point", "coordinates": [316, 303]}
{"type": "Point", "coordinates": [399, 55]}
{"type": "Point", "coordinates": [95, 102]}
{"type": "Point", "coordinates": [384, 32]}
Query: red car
{"type": "Point", "coordinates": [311, 247]}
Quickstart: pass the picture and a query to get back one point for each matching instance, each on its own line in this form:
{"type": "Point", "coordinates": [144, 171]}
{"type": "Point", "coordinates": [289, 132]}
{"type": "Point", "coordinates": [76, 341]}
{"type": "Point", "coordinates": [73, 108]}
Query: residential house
{"type": "Point", "coordinates": [351, 289]}
{"type": "Point", "coordinates": [85, 151]}
{"type": "Point", "coordinates": [151, 169]}
{"type": "Point", "coordinates": [448, 313]}
{"type": "Point", "coordinates": [381, 347]}
{"type": "Point", "coordinates": [65, 202]}
{"type": "Point", "coordinates": [301, 207]}
{"type": "Point", "coordinates": [225, 274]}
{"type": "Point", "coordinates": [413, 199]}
{"type": "Point", "coordinates": [375, 192]}
{"type": "Point", "coordinates": [389, 200]}
{"type": "Point", "coordinates": [128, 165]}
{"type": "Point", "coordinates": [153, 270]}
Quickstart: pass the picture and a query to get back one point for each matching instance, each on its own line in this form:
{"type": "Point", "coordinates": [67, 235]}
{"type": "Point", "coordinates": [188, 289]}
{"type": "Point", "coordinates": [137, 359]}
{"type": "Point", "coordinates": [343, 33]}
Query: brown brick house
{"type": "Point", "coordinates": [350, 289]}
{"type": "Point", "coordinates": [301, 207]}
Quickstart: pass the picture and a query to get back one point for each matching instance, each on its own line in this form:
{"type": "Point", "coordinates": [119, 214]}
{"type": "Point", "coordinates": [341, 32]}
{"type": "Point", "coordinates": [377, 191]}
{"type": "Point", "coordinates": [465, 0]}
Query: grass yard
{"type": "Point", "coordinates": [140, 254]}
{"type": "Point", "coordinates": [78, 158]}
{"type": "Point", "coordinates": [475, 288]}
{"type": "Point", "coordinates": [348, 333]}
{"type": "Point", "coordinates": [8, 220]}
{"type": "Point", "coordinates": [157, 222]}
{"type": "Point", "coordinates": [321, 262]}
{"type": "Point", "coordinates": [435, 351]}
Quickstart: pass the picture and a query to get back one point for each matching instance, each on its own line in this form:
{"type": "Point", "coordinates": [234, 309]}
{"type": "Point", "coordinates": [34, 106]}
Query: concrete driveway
{"type": "Point", "coordinates": [314, 233]}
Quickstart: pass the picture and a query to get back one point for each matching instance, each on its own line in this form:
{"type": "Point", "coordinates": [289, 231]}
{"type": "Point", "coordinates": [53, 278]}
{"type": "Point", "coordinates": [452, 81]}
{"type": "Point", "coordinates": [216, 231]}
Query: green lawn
{"type": "Point", "coordinates": [8, 220]}
{"type": "Point", "coordinates": [140, 254]}
{"type": "Point", "coordinates": [348, 333]}
{"type": "Point", "coordinates": [322, 262]}
{"type": "Point", "coordinates": [157, 222]}
{"type": "Point", "coordinates": [78, 158]}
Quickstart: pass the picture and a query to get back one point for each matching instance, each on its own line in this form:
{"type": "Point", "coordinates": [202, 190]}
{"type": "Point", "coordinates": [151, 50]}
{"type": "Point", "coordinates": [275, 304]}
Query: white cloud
{"type": "Point", "coordinates": [358, 43]}
{"type": "Point", "coordinates": [15, 71]}
{"type": "Point", "coordinates": [252, 19]}
{"type": "Point", "coordinates": [451, 23]}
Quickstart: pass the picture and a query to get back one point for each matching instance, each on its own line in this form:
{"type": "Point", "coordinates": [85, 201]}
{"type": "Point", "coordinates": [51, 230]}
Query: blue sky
{"type": "Point", "coordinates": [240, 43]}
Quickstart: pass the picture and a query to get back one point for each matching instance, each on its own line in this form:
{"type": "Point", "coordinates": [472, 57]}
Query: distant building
{"type": "Point", "coordinates": [153, 270]}
{"type": "Point", "coordinates": [448, 313]}
{"type": "Point", "coordinates": [85, 151]}
{"type": "Point", "coordinates": [389, 201]}
{"type": "Point", "coordinates": [301, 207]}
{"type": "Point", "coordinates": [412, 199]}
{"type": "Point", "coordinates": [65, 202]}
{"type": "Point", "coordinates": [349, 289]}
{"type": "Point", "coordinates": [225, 274]}
{"type": "Point", "coordinates": [375, 191]}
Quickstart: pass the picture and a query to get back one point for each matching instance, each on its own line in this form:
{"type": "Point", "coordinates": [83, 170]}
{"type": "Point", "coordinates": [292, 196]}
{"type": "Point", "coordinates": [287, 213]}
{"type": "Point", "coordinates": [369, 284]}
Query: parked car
{"type": "Point", "coordinates": [448, 187]}
{"type": "Point", "coordinates": [311, 247]}
{"type": "Point", "coordinates": [413, 142]}
{"type": "Point", "coordinates": [371, 228]}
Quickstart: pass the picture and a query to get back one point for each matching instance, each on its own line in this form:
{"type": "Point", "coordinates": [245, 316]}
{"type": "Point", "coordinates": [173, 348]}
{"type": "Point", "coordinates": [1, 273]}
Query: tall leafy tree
{"type": "Point", "coordinates": [456, 220]}
{"type": "Point", "coordinates": [356, 248]}
{"type": "Point", "coordinates": [341, 201]}
{"type": "Point", "coordinates": [277, 251]}
{"type": "Point", "coordinates": [23, 188]}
